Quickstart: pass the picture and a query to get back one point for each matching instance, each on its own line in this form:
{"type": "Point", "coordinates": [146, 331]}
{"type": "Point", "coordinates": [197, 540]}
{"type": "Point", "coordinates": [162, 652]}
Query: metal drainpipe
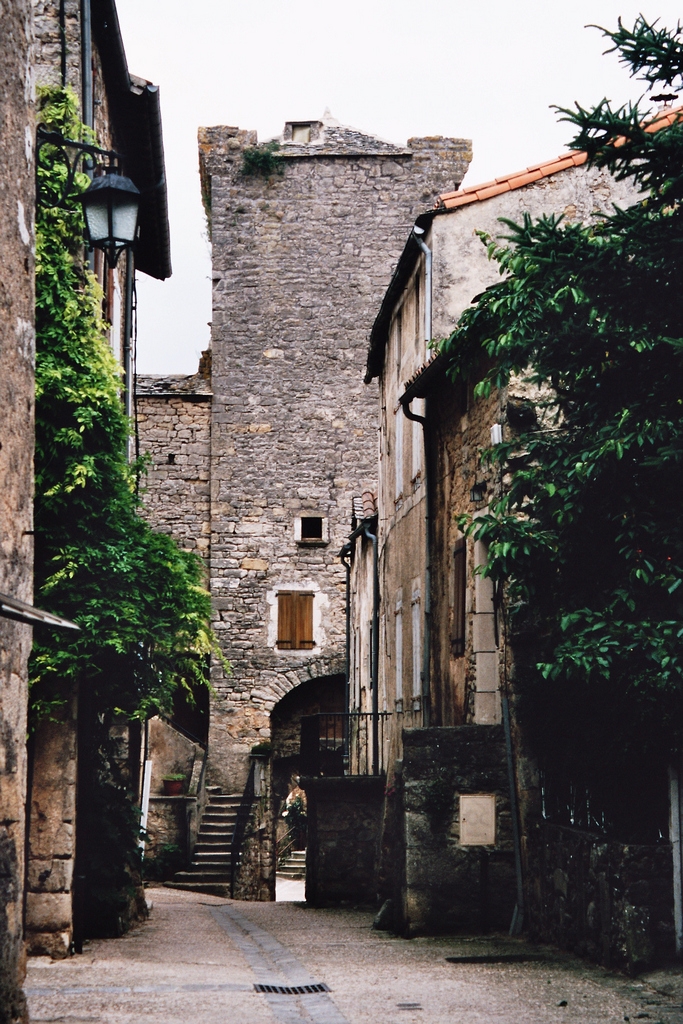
{"type": "Point", "coordinates": [345, 554]}
{"type": "Point", "coordinates": [417, 235]}
{"type": "Point", "coordinates": [127, 335]}
{"type": "Point", "coordinates": [427, 631]}
{"type": "Point", "coordinates": [86, 64]}
{"type": "Point", "coordinates": [372, 537]}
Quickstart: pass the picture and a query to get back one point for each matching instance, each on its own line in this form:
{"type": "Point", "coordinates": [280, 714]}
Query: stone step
{"type": "Point", "coordinates": [202, 858]}
{"type": "Point", "coordinates": [212, 846]}
{"type": "Point", "coordinates": [212, 827]}
{"type": "Point", "coordinates": [202, 875]}
{"type": "Point", "coordinates": [208, 888]}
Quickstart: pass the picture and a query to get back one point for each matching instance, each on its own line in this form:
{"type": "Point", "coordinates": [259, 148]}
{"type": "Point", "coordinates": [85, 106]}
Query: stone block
{"type": "Point", "coordinates": [487, 710]}
{"type": "Point", "coordinates": [487, 677]}
{"type": "Point", "coordinates": [483, 632]}
{"type": "Point", "coordinates": [48, 912]}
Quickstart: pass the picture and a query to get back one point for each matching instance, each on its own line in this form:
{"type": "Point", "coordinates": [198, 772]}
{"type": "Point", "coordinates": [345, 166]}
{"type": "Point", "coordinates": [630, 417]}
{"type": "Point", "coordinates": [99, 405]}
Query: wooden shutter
{"type": "Point", "coordinates": [304, 621]}
{"type": "Point", "coordinates": [459, 592]}
{"type": "Point", "coordinates": [294, 621]}
{"type": "Point", "coordinates": [285, 621]}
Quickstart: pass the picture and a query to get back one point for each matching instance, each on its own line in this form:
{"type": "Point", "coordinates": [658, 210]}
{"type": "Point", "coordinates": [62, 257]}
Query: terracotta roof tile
{"type": "Point", "coordinates": [509, 182]}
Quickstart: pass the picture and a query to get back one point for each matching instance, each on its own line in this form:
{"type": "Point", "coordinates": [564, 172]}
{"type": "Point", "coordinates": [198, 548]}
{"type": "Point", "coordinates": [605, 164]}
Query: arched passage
{"type": "Point", "coordinates": [322, 695]}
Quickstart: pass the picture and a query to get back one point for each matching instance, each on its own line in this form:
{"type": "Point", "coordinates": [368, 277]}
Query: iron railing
{"type": "Point", "coordinates": [344, 744]}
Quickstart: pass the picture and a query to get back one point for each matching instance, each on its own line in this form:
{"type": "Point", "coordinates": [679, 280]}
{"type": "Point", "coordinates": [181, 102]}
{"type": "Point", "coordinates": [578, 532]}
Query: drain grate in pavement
{"type": "Point", "coordinates": [292, 990]}
{"type": "Point", "coordinates": [409, 1006]}
{"type": "Point", "coordinates": [496, 958]}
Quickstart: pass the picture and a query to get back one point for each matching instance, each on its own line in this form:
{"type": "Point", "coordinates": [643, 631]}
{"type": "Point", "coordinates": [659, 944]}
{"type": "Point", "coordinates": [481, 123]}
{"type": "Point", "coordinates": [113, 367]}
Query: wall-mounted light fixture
{"type": "Point", "coordinates": [478, 492]}
{"type": "Point", "coordinates": [111, 201]}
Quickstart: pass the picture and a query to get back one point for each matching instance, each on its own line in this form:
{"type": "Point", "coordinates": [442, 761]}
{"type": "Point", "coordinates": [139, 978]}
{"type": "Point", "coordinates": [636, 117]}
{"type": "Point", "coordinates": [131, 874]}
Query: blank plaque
{"type": "Point", "coordinates": [478, 819]}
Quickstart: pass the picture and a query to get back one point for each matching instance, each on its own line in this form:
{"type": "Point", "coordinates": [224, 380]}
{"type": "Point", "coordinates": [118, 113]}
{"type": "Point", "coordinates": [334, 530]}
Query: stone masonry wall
{"type": "Point", "coordinates": [17, 353]}
{"type": "Point", "coordinates": [174, 425]}
{"type": "Point", "coordinates": [52, 834]}
{"type": "Point", "coordinates": [448, 886]}
{"type": "Point", "coordinates": [599, 898]}
{"type": "Point", "coordinates": [300, 262]}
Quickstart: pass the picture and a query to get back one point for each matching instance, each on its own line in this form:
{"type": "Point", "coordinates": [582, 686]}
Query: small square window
{"type": "Point", "coordinates": [311, 528]}
{"type": "Point", "coordinates": [301, 133]}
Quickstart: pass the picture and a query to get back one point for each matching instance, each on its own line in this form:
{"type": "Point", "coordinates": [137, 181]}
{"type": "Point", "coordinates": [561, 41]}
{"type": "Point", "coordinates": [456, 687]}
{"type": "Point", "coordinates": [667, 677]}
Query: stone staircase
{"type": "Point", "coordinates": [294, 866]}
{"type": "Point", "coordinates": [210, 868]}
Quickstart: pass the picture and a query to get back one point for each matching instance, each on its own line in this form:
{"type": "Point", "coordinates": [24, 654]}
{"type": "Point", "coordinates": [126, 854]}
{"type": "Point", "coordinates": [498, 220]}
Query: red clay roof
{"type": "Point", "coordinates": [509, 182]}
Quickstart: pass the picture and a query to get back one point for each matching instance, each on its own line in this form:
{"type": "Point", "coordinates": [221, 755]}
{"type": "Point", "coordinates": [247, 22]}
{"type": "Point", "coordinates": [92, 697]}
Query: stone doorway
{"type": "Point", "coordinates": [323, 695]}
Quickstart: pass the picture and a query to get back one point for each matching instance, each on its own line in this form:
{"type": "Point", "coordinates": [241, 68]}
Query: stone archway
{"type": "Point", "coordinates": [322, 695]}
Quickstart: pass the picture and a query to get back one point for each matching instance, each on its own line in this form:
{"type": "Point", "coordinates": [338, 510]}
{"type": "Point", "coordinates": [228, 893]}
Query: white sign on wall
{"type": "Point", "coordinates": [477, 819]}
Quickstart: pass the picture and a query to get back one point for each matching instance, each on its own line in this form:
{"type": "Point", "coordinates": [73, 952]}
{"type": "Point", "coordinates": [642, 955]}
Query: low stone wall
{"type": "Point", "coordinates": [344, 821]}
{"type": "Point", "coordinates": [52, 834]}
{"type": "Point", "coordinates": [449, 886]}
{"type": "Point", "coordinates": [172, 821]}
{"type": "Point", "coordinates": [607, 901]}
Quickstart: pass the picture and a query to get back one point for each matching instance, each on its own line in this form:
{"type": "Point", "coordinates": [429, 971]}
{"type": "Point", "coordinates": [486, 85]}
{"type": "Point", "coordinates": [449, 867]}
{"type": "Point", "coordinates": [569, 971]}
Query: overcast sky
{"type": "Point", "coordinates": [487, 70]}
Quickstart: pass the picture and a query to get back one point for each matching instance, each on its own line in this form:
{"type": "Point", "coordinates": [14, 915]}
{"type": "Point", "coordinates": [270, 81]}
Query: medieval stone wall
{"type": "Point", "coordinates": [300, 262]}
{"type": "Point", "coordinates": [174, 426]}
{"type": "Point", "coordinates": [17, 352]}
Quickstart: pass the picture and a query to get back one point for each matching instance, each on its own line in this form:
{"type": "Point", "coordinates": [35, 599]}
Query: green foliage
{"type": "Point", "coordinates": [587, 538]}
{"type": "Point", "coordinates": [163, 866]}
{"type": "Point", "coordinates": [262, 161]}
{"type": "Point", "coordinates": [137, 597]}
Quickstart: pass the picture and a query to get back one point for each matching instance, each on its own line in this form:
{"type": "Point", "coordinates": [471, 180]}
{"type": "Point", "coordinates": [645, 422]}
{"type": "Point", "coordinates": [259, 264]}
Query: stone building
{"type": "Point", "coordinates": [79, 45]}
{"type": "Point", "coordinates": [301, 257]}
{"type": "Point", "coordinates": [450, 856]}
{"type": "Point", "coordinates": [16, 466]}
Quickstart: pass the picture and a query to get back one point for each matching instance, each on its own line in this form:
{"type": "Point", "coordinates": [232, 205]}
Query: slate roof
{"type": "Point", "coordinates": [193, 386]}
{"type": "Point", "coordinates": [330, 138]}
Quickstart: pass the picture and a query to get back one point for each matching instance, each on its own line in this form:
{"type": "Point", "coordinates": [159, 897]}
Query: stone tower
{"type": "Point", "coordinates": [302, 255]}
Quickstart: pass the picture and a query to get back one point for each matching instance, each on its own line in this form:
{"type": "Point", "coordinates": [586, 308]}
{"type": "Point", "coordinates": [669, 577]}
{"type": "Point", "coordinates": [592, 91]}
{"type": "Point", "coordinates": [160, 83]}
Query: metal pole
{"type": "Point", "coordinates": [375, 651]}
{"type": "Point", "coordinates": [675, 839]}
{"type": "Point", "coordinates": [86, 64]}
{"type": "Point", "coordinates": [127, 335]}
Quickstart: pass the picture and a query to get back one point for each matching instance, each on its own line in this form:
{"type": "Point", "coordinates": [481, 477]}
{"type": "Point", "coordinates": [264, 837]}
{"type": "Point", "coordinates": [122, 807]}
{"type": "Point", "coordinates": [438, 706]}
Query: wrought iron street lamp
{"type": "Point", "coordinates": [110, 206]}
{"type": "Point", "coordinates": [111, 201]}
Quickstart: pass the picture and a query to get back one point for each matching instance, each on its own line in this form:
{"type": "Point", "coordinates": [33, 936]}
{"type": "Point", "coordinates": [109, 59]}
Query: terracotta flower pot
{"type": "Point", "coordinates": [172, 787]}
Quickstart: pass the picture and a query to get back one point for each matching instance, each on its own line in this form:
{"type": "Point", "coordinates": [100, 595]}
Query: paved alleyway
{"type": "Point", "coordinates": [198, 958]}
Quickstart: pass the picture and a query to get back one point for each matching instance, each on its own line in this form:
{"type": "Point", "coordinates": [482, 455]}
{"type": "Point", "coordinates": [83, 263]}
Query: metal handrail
{"type": "Point", "coordinates": [344, 743]}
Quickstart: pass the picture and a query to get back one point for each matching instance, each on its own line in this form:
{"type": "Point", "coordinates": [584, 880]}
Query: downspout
{"type": "Point", "coordinates": [86, 64]}
{"type": "Point", "coordinates": [62, 41]}
{"type": "Point", "coordinates": [427, 630]}
{"type": "Point", "coordinates": [345, 554]}
{"type": "Point", "coordinates": [127, 336]}
{"type": "Point", "coordinates": [372, 537]}
{"type": "Point", "coordinates": [405, 405]}
{"type": "Point", "coordinates": [417, 235]}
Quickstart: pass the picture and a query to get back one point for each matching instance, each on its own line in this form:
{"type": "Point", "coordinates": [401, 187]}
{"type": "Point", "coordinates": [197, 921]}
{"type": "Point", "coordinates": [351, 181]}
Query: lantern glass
{"type": "Point", "coordinates": [97, 220]}
{"type": "Point", "coordinates": [125, 218]}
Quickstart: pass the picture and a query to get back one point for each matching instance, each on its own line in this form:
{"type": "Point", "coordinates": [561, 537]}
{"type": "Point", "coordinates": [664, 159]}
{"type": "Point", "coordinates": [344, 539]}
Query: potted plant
{"type": "Point", "coordinates": [173, 783]}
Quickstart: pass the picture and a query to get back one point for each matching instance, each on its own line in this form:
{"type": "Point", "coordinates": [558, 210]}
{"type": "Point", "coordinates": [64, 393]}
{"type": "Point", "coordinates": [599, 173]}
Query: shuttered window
{"type": "Point", "coordinates": [294, 621]}
{"type": "Point", "coordinates": [459, 592]}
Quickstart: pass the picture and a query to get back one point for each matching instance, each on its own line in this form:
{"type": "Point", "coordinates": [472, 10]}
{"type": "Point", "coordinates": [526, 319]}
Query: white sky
{"type": "Point", "coordinates": [486, 70]}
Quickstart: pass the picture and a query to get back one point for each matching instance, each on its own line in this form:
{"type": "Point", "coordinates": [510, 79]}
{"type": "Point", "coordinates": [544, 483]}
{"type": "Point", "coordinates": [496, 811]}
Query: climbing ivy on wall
{"type": "Point", "coordinates": [587, 538]}
{"type": "Point", "coordinates": [138, 598]}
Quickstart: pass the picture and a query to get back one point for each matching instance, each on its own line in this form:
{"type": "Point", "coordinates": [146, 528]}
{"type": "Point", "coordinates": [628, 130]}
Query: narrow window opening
{"type": "Point", "coordinates": [459, 594]}
{"type": "Point", "coordinates": [171, 459]}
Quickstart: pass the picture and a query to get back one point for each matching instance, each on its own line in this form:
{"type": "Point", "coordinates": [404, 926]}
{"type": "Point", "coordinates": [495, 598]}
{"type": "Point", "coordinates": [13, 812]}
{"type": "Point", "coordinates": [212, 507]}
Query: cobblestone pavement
{"type": "Point", "coordinates": [198, 959]}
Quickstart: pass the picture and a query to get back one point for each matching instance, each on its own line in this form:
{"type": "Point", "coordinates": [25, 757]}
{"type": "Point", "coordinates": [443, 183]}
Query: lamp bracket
{"type": "Point", "coordinates": [71, 152]}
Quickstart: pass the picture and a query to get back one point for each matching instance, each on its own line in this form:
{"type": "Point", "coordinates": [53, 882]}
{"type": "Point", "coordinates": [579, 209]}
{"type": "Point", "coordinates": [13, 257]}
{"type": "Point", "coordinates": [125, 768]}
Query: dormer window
{"type": "Point", "coordinates": [301, 133]}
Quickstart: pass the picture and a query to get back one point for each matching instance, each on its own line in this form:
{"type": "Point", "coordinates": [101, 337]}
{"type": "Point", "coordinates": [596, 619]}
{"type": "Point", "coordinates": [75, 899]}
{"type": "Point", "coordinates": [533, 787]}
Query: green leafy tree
{"type": "Point", "coordinates": [138, 598]}
{"type": "Point", "coordinates": [587, 537]}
